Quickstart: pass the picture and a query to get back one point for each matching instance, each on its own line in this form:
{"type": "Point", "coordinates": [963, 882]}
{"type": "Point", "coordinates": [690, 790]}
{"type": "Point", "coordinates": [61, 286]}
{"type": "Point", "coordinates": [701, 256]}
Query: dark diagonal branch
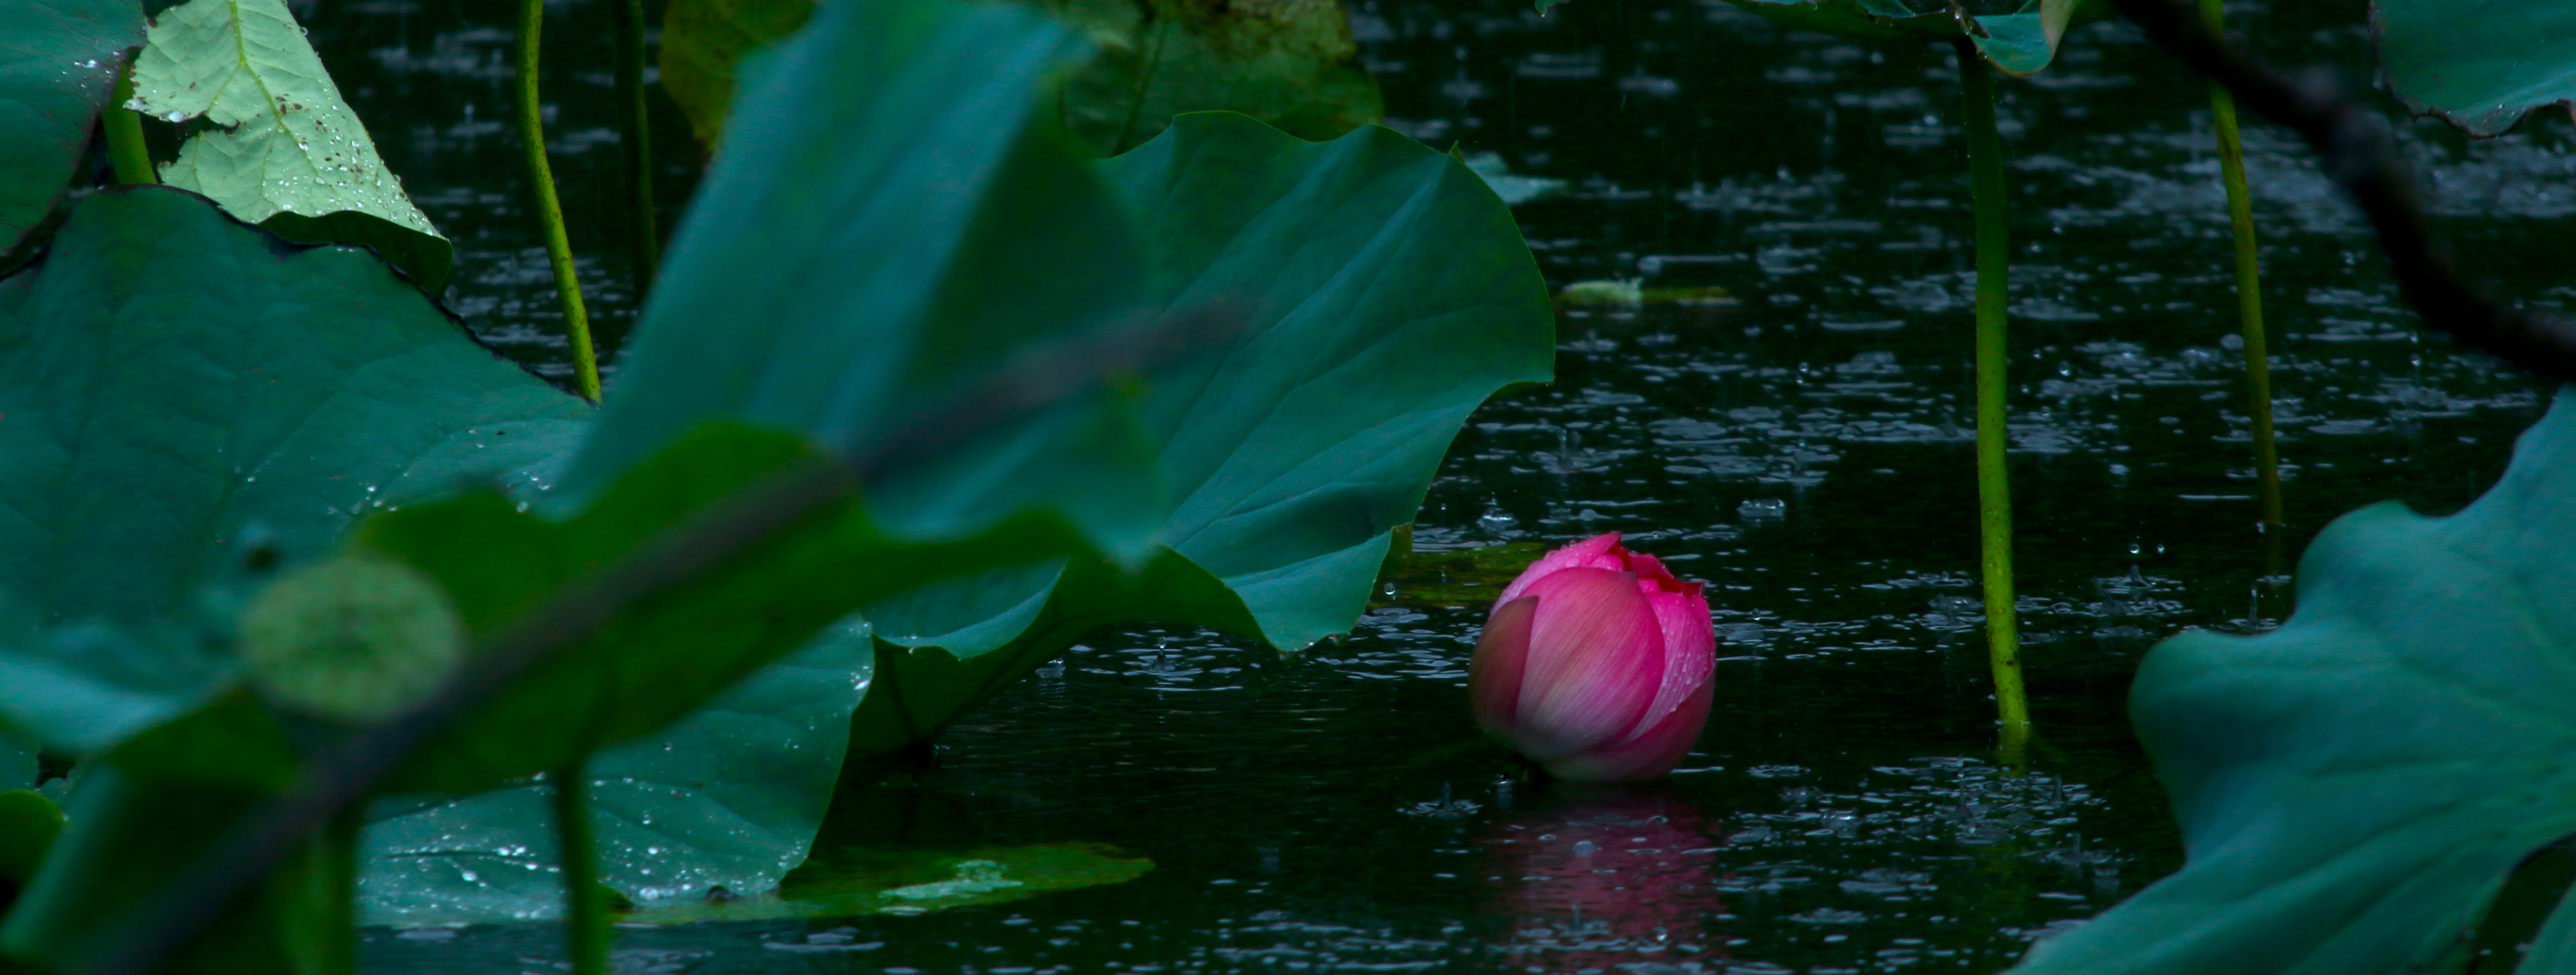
{"type": "Point", "coordinates": [340, 777]}
{"type": "Point", "coordinates": [2361, 156]}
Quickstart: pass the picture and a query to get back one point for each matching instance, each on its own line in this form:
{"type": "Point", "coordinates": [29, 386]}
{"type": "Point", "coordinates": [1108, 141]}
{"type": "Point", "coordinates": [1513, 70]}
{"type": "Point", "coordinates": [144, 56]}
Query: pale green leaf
{"type": "Point", "coordinates": [285, 151]}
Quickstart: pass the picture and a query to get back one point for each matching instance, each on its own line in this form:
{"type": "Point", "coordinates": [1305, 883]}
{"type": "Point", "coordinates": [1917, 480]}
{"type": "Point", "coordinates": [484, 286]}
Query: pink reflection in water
{"type": "Point", "coordinates": [1600, 881]}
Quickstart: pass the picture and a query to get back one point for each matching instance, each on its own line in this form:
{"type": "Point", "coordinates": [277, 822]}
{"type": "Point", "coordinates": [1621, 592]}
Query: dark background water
{"type": "Point", "coordinates": [1806, 453]}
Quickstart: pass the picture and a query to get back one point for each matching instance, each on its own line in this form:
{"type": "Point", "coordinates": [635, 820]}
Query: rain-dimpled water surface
{"type": "Point", "coordinates": [1805, 450]}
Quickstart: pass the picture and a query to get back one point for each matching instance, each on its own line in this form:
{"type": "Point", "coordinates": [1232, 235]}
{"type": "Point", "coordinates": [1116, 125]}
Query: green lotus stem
{"type": "Point", "coordinates": [532, 130]}
{"type": "Point", "coordinates": [2249, 300]}
{"type": "Point", "coordinates": [1994, 487]}
{"type": "Point", "coordinates": [635, 136]}
{"type": "Point", "coordinates": [585, 915]}
{"type": "Point", "coordinates": [125, 148]}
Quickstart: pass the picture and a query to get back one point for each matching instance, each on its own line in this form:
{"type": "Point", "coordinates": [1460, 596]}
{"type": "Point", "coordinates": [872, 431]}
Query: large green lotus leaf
{"type": "Point", "coordinates": [2479, 64]}
{"type": "Point", "coordinates": [286, 152]}
{"type": "Point", "coordinates": [1291, 63]}
{"type": "Point", "coordinates": [1287, 62]}
{"type": "Point", "coordinates": [2019, 43]}
{"type": "Point", "coordinates": [891, 220]}
{"type": "Point", "coordinates": [2354, 787]}
{"type": "Point", "coordinates": [58, 64]}
{"type": "Point", "coordinates": [181, 390]}
{"type": "Point", "coordinates": [728, 796]}
{"type": "Point", "coordinates": [1391, 293]}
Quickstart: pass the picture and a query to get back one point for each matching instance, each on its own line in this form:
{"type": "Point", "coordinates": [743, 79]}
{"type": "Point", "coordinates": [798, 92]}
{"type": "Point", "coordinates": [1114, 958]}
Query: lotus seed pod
{"type": "Point", "coordinates": [358, 638]}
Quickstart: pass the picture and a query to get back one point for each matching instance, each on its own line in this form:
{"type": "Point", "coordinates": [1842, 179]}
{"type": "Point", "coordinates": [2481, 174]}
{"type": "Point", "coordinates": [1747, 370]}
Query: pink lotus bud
{"type": "Point", "coordinates": [1597, 664]}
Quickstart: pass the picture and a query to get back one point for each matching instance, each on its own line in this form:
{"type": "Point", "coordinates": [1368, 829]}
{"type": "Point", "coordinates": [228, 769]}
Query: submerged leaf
{"type": "Point", "coordinates": [2478, 64]}
{"type": "Point", "coordinates": [852, 881]}
{"type": "Point", "coordinates": [58, 64]}
{"type": "Point", "coordinates": [286, 152]}
{"type": "Point", "coordinates": [2354, 787]}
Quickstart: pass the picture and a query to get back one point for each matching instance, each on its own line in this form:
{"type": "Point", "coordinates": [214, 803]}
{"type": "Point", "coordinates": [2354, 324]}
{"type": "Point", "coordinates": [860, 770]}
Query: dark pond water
{"type": "Point", "coordinates": [1806, 453]}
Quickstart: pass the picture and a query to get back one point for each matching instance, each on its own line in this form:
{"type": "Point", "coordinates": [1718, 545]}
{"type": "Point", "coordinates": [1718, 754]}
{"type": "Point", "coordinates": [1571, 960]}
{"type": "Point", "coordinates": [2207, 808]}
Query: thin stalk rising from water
{"type": "Point", "coordinates": [585, 916]}
{"type": "Point", "coordinates": [2249, 303]}
{"type": "Point", "coordinates": [532, 131]}
{"type": "Point", "coordinates": [635, 136]}
{"type": "Point", "coordinates": [1994, 487]}
{"type": "Point", "coordinates": [125, 149]}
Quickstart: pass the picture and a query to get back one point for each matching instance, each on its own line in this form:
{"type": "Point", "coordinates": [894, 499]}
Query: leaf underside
{"type": "Point", "coordinates": [2480, 65]}
{"type": "Point", "coordinates": [2354, 787]}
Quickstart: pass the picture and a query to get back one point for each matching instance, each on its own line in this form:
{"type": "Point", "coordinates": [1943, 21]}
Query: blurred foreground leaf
{"type": "Point", "coordinates": [892, 221]}
{"type": "Point", "coordinates": [2478, 64]}
{"type": "Point", "coordinates": [183, 393]}
{"type": "Point", "coordinates": [185, 400]}
{"type": "Point", "coordinates": [2354, 787]}
{"type": "Point", "coordinates": [286, 152]}
{"type": "Point", "coordinates": [725, 797]}
{"type": "Point", "coordinates": [28, 825]}
{"type": "Point", "coordinates": [58, 64]}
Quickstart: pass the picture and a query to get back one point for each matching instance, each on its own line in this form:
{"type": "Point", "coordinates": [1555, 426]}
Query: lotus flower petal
{"type": "Point", "coordinates": [1690, 643]}
{"type": "Point", "coordinates": [1494, 674]}
{"type": "Point", "coordinates": [1595, 663]}
{"type": "Point", "coordinates": [1598, 552]}
{"type": "Point", "coordinates": [1651, 752]}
